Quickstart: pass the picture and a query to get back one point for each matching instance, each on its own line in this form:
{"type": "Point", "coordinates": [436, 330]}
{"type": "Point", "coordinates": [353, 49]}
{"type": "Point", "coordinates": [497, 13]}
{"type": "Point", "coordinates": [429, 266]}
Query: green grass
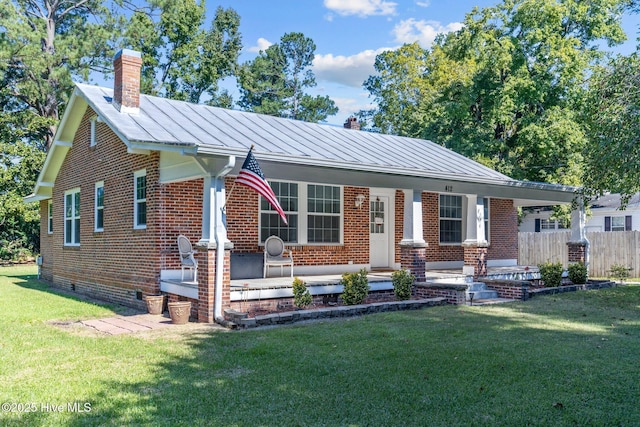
{"type": "Point", "coordinates": [570, 359]}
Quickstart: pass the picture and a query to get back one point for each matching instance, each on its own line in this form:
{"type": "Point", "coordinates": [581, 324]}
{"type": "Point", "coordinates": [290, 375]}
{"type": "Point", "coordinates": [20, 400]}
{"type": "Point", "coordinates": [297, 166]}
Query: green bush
{"type": "Point", "coordinates": [402, 284]}
{"type": "Point", "coordinates": [356, 287]}
{"type": "Point", "coordinates": [301, 296]}
{"type": "Point", "coordinates": [578, 273]}
{"type": "Point", "coordinates": [620, 272]}
{"type": "Point", "coordinates": [551, 274]}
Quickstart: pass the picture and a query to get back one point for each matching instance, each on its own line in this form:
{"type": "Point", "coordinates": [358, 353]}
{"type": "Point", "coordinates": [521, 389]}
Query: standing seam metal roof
{"type": "Point", "coordinates": [164, 121]}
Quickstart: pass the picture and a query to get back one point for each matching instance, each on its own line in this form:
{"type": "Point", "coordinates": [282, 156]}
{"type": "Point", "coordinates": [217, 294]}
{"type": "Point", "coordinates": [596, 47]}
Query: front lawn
{"type": "Point", "coordinates": [570, 359]}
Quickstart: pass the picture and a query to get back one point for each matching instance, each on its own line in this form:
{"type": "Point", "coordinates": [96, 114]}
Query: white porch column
{"type": "Point", "coordinates": [475, 221]}
{"type": "Point", "coordinates": [578, 245]}
{"type": "Point", "coordinates": [413, 234]}
{"type": "Point", "coordinates": [214, 219]}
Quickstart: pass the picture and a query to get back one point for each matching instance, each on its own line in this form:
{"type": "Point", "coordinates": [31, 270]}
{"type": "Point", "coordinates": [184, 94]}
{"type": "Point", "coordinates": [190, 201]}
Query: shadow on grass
{"type": "Point", "coordinates": [440, 366]}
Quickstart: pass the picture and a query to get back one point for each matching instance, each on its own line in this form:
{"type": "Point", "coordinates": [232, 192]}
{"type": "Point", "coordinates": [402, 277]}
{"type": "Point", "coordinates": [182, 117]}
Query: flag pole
{"type": "Point", "coordinates": [234, 184]}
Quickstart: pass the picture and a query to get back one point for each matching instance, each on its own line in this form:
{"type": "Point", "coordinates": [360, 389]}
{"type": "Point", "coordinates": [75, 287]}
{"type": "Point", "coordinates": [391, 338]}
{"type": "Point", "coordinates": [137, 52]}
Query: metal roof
{"type": "Point", "coordinates": [210, 129]}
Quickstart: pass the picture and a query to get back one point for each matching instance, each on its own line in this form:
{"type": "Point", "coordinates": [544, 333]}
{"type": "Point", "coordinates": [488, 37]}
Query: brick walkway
{"type": "Point", "coordinates": [127, 324]}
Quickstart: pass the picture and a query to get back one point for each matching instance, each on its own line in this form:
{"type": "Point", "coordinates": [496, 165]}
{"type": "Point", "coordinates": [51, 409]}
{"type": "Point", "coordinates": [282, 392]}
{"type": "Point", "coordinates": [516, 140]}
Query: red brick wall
{"type": "Point", "coordinates": [503, 230]}
{"type": "Point", "coordinates": [180, 212]}
{"type": "Point", "coordinates": [431, 229]}
{"type": "Point", "coordinates": [242, 225]}
{"type": "Point", "coordinates": [112, 264]}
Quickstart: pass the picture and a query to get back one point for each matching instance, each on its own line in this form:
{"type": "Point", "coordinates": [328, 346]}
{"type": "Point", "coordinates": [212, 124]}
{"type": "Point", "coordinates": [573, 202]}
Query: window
{"type": "Point", "coordinates": [140, 199]}
{"type": "Point", "coordinates": [270, 222]}
{"type": "Point", "coordinates": [450, 219]}
{"type": "Point", "coordinates": [99, 207]}
{"type": "Point", "coordinates": [618, 223]}
{"type": "Point", "coordinates": [92, 141]}
{"type": "Point", "coordinates": [50, 217]}
{"type": "Point", "coordinates": [72, 217]}
{"type": "Point", "coordinates": [313, 212]}
{"type": "Point", "coordinates": [485, 203]}
{"type": "Point", "coordinates": [323, 223]}
{"type": "Point", "coordinates": [542, 224]}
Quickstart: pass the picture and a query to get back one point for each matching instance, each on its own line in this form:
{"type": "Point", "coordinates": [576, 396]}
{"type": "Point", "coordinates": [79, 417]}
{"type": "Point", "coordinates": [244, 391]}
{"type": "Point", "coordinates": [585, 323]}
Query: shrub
{"type": "Point", "coordinates": [356, 287]}
{"type": "Point", "coordinates": [551, 274]}
{"type": "Point", "coordinates": [402, 283]}
{"type": "Point", "coordinates": [578, 273]}
{"type": "Point", "coordinates": [620, 272]}
{"type": "Point", "coordinates": [301, 296]}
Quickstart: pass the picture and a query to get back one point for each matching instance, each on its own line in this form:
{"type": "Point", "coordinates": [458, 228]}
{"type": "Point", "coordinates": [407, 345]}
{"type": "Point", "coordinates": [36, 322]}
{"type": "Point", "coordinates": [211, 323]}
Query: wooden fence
{"type": "Point", "coordinates": [606, 249]}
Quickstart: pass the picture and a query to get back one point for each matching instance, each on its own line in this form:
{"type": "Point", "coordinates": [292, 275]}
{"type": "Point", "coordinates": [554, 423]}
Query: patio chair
{"type": "Point", "coordinates": [274, 255]}
{"type": "Point", "coordinates": [186, 257]}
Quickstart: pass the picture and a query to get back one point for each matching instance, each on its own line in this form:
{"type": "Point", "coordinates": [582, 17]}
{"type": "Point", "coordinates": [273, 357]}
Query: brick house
{"type": "Point", "coordinates": [128, 173]}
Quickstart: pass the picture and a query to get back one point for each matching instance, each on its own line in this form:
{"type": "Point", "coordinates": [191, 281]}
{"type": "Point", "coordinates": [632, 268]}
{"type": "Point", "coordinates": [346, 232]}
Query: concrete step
{"type": "Point", "coordinates": [480, 291]}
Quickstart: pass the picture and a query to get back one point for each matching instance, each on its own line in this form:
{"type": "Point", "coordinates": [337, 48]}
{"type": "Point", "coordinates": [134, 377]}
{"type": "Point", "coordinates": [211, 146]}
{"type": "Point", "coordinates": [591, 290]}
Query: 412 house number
{"type": "Point", "coordinates": [448, 188]}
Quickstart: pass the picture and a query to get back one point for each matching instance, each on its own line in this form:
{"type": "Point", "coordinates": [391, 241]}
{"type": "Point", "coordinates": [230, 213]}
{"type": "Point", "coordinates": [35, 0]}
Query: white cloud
{"type": "Point", "coordinates": [350, 106]}
{"type": "Point", "coordinates": [361, 8]}
{"type": "Point", "coordinates": [347, 70]}
{"type": "Point", "coordinates": [424, 32]}
{"type": "Point", "coordinates": [262, 44]}
{"type": "Point", "coordinates": [426, 3]}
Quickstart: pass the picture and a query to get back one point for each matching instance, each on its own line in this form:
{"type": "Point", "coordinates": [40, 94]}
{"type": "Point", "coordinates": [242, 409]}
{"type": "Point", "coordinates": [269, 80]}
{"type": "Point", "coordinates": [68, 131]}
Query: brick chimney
{"type": "Point", "coordinates": [352, 123]}
{"type": "Point", "coordinates": [126, 89]}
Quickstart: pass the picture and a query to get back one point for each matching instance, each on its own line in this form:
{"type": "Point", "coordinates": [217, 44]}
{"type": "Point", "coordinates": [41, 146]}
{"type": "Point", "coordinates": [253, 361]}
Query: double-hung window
{"type": "Point", "coordinates": [140, 199]}
{"type": "Point", "coordinates": [314, 213]}
{"type": "Point", "coordinates": [270, 222]}
{"type": "Point", "coordinates": [450, 219]}
{"type": "Point", "coordinates": [72, 217]}
{"type": "Point", "coordinates": [323, 220]}
{"type": "Point", "coordinates": [485, 203]}
{"type": "Point", "coordinates": [99, 207]}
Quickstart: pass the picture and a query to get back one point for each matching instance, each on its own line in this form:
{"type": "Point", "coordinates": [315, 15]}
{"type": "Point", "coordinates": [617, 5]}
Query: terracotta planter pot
{"type": "Point", "coordinates": [179, 312]}
{"type": "Point", "coordinates": [155, 303]}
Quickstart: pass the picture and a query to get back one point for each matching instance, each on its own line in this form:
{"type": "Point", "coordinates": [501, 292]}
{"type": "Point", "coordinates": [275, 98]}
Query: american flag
{"type": "Point", "coordinates": [251, 175]}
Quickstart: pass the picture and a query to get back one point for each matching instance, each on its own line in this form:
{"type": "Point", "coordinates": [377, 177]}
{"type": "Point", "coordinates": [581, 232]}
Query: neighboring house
{"type": "Point", "coordinates": [128, 173]}
{"type": "Point", "coordinates": [605, 215]}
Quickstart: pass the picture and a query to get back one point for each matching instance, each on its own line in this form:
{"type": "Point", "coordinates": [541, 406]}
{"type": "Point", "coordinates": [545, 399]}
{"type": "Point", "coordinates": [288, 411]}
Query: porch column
{"type": "Point", "coordinates": [413, 248]}
{"type": "Point", "coordinates": [213, 267]}
{"type": "Point", "coordinates": [475, 245]}
{"type": "Point", "coordinates": [578, 244]}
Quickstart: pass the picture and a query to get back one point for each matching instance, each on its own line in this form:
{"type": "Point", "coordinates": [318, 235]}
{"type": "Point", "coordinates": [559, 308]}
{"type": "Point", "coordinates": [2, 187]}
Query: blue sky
{"type": "Point", "coordinates": [349, 33]}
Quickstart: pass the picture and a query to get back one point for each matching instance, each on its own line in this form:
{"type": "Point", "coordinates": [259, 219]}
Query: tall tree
{"type": "Point", "coordinates": [180, 59]}
{"type": "Point", "coordinates": [612, 113]}
{"type": "Point", "coordinates": [44, 46]}
{"type": "Point", "coordinates": [275, 81]}
{"type": "Point", "coordinates": [504, 88]}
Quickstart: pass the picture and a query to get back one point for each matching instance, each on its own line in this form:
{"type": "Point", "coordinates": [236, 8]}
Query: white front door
{"type": "Point", "coordinates": [379, 231]}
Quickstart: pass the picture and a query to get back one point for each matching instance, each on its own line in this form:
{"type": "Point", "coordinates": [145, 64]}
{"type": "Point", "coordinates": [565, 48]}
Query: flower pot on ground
{"type": "Point", "coordinates": [155, 303]}
{"type": "Point", "coordinates": [179, 312]}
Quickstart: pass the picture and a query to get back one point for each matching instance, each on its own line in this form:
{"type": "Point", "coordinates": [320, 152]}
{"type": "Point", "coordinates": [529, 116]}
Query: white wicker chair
{"type": "Point", "coordinates": [274, 255]}
{"type": "Point", "coordinates": [187, 259]}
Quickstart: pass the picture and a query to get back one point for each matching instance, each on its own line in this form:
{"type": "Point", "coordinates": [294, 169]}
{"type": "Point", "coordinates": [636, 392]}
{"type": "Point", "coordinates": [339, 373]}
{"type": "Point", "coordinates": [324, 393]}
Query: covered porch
{"type": "Point", "coordinates": [276, 293]}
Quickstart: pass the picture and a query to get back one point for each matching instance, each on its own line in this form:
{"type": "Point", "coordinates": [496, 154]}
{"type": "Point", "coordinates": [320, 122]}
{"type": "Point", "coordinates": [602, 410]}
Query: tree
{"type": "Point", "coordinates": [44, 46]}
{"type": "Point", "coordinates": [180, 59]}
{"type": "Point", "coordinates": [505, 88]}
{"type": "Point", "coordinates": [275, 81]}
{"type": "Point", "coordinates": [612, 114]}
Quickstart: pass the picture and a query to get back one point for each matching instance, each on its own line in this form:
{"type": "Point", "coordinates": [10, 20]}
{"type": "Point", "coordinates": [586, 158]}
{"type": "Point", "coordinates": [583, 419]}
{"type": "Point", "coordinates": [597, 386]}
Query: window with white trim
{"type": "Point", "coordinates": [72, 217]}
{"type": "Point", "coordinates": [314, 213]}
{"type": "Point", "coordinates": [617, 223]}
{"type": "Point", "coordinates": [450, 219]}
{"type": "Point", "coordinates": [323, 221]}
{"type": "Point", "coordinates": [92, 140]}
{"type": "Point", "coordinates": [50, 216]}
{"type": "Point", "coordinates": [270, 222]}
{"type": "Point", "coordinates": [99, 207]}
{"type": "Point", "coordinates": [485, 203]}
{"type": "Point", "coordinates": [140, 199]}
